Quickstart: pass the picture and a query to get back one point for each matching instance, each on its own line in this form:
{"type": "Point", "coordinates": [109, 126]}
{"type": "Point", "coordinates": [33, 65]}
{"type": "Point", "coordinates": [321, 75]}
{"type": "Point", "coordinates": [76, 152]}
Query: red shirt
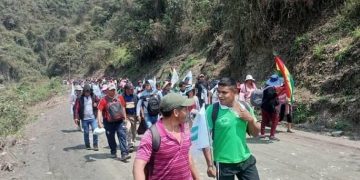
{"type": "Point", "coordinates": [103, 103]}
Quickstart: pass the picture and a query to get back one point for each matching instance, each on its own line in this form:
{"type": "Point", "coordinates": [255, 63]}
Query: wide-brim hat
{"type": "Point", "coordinates": [249, 77]}
{"type": "Point", "coordinates": [275, 80]}
{"type": "Point", "coordinates": [174, 100]}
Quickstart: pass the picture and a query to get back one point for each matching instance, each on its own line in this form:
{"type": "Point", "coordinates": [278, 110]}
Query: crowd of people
{"type": "Point", "coordinates": [163, 113]}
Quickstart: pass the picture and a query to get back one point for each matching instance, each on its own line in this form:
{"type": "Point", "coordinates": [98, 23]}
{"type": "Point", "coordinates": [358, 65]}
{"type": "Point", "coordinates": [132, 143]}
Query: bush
{"type": "Point", "coordinates": [15, 99]}
{"type": "Point", "coordinates": [301, 113]}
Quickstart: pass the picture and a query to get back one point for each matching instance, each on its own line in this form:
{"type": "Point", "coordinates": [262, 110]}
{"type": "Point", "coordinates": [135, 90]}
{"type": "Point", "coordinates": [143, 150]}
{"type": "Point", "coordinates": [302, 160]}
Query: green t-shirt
{"type": "Point", "coordinates": [230, 136]}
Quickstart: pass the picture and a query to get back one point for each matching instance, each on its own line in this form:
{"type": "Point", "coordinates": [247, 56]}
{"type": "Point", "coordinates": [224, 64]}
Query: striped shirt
{"type": "Point", "coordinates": [172, 159]}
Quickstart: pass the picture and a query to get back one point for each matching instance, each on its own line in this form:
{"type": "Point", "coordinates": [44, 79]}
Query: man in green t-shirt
{"type": "Point", "coordinates": [232, 156]}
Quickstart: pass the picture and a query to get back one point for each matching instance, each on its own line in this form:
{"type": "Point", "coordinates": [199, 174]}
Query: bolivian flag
{"type": "Point", "coordinates": [288, 79]}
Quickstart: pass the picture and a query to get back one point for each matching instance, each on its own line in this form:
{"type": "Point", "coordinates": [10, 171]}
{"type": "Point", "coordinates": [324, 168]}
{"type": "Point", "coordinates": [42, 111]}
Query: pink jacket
{"type": "Point", "coordinates": [245, 92]}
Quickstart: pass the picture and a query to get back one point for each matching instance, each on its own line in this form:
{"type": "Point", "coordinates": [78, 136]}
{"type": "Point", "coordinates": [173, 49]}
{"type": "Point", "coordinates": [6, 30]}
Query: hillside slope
{"type": "Point", "coordinates": [318, 40]}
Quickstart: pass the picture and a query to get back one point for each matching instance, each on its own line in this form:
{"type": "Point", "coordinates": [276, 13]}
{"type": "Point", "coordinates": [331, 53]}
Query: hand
{"type": "Point", "coordinates": [245, 115]}
{"type": "Point", "coordinates": [242, 112]}
{"type": "Point", "coordinates": [101, 125]}
{"type": "Point", "coordinates": [76, 121]}
{"type": "Point", "coordinates": [211, 172]}
{"type": "Point", "coordinates": [95, 105]}
{"type": "Point", "coordinates": [138, 118]}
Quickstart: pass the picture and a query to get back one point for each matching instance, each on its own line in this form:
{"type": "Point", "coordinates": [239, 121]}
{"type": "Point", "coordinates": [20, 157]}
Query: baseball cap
{"type": "Point", "coordinates": [111, 87]}
{"type": "Point", "coordinates": [174, 100]}
{"type": "Point", "coordinates": [87, 87]}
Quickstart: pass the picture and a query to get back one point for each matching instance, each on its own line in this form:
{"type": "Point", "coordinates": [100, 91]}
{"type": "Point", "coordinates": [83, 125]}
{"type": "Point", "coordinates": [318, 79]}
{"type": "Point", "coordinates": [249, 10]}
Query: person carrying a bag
{"type": "Point", "coordinates": [112, 116]}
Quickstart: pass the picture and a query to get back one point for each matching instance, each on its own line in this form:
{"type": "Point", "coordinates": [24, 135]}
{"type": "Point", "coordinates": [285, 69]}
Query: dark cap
{"type": "Point", "coordinates": [87, 87]}
{"type": "Point", "coordinates": [174, 100]}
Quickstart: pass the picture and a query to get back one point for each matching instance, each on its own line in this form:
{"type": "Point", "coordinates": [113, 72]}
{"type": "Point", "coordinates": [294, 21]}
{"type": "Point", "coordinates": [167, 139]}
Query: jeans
{"type": "Point", "coordinates": [150, 120]}
{"type": "Point", "coordinates": [245, 170]}
{"type": "Point", "coordinates": [85, 126]}
{"type": "Point", "coordinates": [120, 129]}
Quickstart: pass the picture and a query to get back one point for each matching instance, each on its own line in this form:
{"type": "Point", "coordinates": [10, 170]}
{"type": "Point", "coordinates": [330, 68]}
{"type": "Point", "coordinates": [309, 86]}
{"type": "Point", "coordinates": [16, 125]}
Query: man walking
{"type": "Point", "coordinates": [131, 101]}
{"type": "Point", "coordinates": [148, 105]}
{"type": "Point", "coordinates": [171, 159]}
{"type": "Point", "coordinates": [85, 111]}
{"type": "Point", "coordinates": [112, 116]}
{"type": "Point", "coordinates": [229, 122]}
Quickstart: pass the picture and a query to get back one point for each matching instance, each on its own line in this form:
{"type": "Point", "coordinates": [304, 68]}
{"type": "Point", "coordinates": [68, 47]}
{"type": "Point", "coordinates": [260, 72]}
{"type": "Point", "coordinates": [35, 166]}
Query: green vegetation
{"type": "Point", "coordinates": [15, 99]}
{"type": "Point", "coordinates": [301, 113]}
{"type": "Point", "coordinates": [189, 62]}
{"type": "Point", "coordinates": [318, 52]}
{"type": "Point", "coordinates": [51, 38]}
{"type": "Point", "coordinates": [299, 43]}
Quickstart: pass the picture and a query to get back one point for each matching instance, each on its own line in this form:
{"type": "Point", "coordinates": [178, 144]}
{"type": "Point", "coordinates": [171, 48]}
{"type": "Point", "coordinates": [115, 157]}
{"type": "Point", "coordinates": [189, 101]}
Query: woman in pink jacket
{"type": "Point", "coordinates": [247, 88]}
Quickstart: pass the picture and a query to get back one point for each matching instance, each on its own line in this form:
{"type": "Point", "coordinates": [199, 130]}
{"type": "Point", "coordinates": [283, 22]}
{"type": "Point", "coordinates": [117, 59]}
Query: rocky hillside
{"type": "Point", "coordinates": [317, 39]}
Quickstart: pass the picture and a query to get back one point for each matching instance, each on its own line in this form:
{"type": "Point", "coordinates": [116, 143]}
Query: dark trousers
{"type": "Point", "coordinates": [245, 170]}
{"type": "Point", "coordinates": [118, 128]}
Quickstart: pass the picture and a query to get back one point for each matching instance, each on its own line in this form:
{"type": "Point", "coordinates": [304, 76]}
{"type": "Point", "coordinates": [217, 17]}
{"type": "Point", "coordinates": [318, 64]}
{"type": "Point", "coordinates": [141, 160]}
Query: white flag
{"type": "Point", "coordinates": [189, 76]}
{"type": "Point", "coordinates": [200, 136]}
{"type": "Point", "coordinates": [174, 77]}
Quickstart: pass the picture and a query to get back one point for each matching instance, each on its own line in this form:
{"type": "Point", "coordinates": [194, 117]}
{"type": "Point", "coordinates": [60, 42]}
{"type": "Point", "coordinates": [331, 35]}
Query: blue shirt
{"type": "Point", "coordinates": [130, 104]}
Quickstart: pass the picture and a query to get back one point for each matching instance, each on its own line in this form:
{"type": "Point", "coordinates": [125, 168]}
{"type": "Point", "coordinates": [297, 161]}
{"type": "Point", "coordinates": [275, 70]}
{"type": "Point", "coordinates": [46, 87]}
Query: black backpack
{"type": "Point", "coordinates": [153, 106]}
{"type": "Point", "coordinates": [215, 112]}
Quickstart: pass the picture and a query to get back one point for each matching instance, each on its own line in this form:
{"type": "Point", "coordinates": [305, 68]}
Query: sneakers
{"type": "Point", "coordinates": [290, 131]}
{"type": "Point", "coordinates": [87, 147]}
{"type": "Point", "coordinates": [131, 149]}
{"type": "Point", "coordinates": [124, 157]}
{"type": "Point", "coordinates": [96, 148]}
{"type": "Point", "coordinates": [113, 156]}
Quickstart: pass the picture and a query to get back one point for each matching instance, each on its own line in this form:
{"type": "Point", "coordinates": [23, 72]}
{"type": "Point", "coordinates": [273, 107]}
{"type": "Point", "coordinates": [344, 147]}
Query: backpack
{"type": "Point", "coordinates": [156, 141]}
{"type": "Point", "coordinates": [256, 97]}
{"type": "Point", "coordinates": [114, 110]}
{"type": "Point", "coordinates": [215, 112]}
{"type": "Point", "coordinates": [153, 106]}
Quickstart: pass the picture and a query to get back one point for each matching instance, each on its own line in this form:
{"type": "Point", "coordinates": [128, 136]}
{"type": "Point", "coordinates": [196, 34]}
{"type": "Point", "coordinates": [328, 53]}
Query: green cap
{"type": "Point", "coordinates": [174, 100]}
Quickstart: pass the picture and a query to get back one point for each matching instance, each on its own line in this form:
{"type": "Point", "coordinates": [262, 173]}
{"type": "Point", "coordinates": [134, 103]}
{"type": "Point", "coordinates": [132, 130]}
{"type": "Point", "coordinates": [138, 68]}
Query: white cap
{"type": "Point", "coordinates": [111, 86]}
{"type": "Point", "coordinates": [249, 77]}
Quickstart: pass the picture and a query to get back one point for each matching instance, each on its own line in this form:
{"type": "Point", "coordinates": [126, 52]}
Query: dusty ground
{"type": "Point", "coordinates": [53, 149]}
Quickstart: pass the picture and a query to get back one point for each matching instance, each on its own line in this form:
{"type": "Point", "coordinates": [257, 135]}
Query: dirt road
{"type": "Point", "coordinates": [53, 149]}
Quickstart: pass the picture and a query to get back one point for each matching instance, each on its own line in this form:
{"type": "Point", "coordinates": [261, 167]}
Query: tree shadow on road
{"type": "Point", "coordinates": [74, 148]}
{"type": "Point", "coordinates": [97, 156]}
{"type": "Point", "coordinates": [255, 140]}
